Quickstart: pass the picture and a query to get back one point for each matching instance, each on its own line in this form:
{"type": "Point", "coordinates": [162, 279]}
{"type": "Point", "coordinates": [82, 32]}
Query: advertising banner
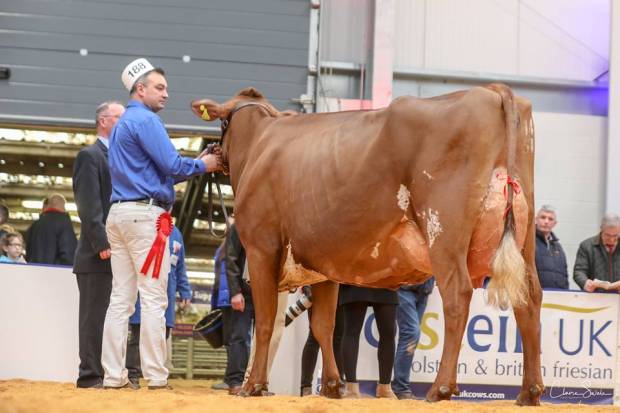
{"type": "Point", "coordinates": [578, 349]}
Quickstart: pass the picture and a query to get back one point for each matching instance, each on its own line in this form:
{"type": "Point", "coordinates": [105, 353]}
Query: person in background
{"type": "Point", "coordinates": [355, 301]}
{"type": "Point", "coordinates": [550, 257]}
{"type": "Point", "coordinates": [598, 257]}
{"type": "Point", "coordinates": [12, 245]}
{"type": "Point", "coordinates": [238, 318]}
{"type": "Point", "coordinates": [91, 264]}
{"type": "Point", "coordinates": [51, 239]}
{"type": "Point", "coordinates": [412, 301]}
{"type": "Point", "coordinates": [177, 282]}
{"type": "Point", "coordinates": [4, 217]}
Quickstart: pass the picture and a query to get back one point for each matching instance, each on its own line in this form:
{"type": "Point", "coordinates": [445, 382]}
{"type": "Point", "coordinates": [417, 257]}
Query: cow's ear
{"type": "Point", "coordinates": [208, 110]}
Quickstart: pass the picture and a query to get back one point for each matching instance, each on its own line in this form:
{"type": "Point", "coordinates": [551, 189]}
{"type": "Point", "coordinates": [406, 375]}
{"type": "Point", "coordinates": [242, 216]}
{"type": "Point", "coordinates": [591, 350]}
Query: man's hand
{"type": "Point", "coordinates": [105, 254]}
{"type": "Point", "coordinates": [589, 286]}
{"type": "Point", "coordinates": [238, 302]}
{"type": "Point", "coordinates": [212, 162]}
{"type": "Point", "coordinates": [185, 303]}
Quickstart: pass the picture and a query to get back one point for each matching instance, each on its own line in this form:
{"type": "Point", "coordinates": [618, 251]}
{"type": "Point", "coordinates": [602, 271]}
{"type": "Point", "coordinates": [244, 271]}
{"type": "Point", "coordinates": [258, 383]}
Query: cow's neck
{"type": "Point", "coordinates": [243, 135]}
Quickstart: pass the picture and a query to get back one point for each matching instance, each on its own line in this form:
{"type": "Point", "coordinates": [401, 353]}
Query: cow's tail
{"type": "Point", "coordinates": [508, 284]}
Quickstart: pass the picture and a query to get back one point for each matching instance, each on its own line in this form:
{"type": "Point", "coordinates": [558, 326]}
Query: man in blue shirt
{"type": "Point", "coordinates": [144, 166]}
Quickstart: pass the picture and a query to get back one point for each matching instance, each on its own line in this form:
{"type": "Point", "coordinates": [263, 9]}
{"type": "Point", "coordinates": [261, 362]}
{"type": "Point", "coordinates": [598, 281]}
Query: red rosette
{"type": "Point", "coordinates": [164, 229]}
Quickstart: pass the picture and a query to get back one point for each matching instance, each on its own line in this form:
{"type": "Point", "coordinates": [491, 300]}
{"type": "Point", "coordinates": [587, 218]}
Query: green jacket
{"type": "Point", "coordinates": [593, 261]}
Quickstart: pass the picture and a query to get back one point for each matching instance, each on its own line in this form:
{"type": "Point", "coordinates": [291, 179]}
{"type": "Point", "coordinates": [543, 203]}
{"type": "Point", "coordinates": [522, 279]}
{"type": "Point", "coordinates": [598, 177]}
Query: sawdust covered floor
{"type": "Point", "coordinates": [21, 396]}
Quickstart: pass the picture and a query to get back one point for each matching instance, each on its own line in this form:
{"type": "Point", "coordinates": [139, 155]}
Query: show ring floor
{"type": "Point", "coordinates": [22, 396]}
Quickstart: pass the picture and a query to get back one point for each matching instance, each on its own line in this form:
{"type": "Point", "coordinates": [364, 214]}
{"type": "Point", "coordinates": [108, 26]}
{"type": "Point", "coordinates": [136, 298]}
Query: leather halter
{"type": "Point", "coordinates": [226, 122]}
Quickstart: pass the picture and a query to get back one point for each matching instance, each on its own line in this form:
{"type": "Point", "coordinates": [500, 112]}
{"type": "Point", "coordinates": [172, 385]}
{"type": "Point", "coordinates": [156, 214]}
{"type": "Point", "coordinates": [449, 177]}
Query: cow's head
{"type": "Point", "coordinates": [209, 110]}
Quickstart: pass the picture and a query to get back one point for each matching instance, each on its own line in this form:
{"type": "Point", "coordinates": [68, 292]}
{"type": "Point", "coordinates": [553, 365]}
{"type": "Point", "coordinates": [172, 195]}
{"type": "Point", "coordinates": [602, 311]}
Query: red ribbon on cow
{"type": "Point", "coordinates": [164, 229]}
{"type": "Point", "coordinates": [515, 187]}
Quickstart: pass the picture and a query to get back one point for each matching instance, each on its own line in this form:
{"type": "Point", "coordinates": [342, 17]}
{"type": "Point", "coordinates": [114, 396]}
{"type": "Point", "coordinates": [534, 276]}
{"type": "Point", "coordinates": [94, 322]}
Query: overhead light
{"type": "Point", "coordinates": [5, 73]}
{"type": "Point", "coordinates": [32, 204]}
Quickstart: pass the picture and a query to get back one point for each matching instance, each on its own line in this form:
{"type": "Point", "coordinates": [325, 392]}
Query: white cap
{"type": "Point", "coordinates": [134, 70]}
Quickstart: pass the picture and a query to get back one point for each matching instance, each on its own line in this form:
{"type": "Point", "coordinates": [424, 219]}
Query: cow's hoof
{"type": "Point", "coordinates": [257, 390]}
{"type": "Point", "coordinates": [445, 392]}
{"type": "Point", "coordinates": [331, 390]}
{"type": "Point", "coordinates": [532, 396]}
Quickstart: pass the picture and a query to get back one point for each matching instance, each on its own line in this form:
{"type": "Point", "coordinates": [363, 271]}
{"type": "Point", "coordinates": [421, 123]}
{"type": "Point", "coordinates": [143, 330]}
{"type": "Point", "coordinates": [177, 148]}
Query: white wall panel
{"type": "Point", "coordinates": [476, 35]}
{"type": "Point", "coordinates": [570, 172]}
{"type": "Point", "coordinates": [564, 39]}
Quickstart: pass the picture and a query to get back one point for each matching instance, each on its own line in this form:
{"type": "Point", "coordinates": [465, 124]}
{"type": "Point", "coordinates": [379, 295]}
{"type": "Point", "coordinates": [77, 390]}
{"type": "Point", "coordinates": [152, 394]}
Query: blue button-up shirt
{"type": "Point", "coordinates": [143, 162]}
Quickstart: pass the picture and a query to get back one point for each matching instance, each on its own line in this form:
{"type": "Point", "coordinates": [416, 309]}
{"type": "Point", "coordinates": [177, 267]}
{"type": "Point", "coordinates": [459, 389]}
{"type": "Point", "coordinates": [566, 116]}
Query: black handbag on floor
{"type": "Point", "coordinates": [210, 327]}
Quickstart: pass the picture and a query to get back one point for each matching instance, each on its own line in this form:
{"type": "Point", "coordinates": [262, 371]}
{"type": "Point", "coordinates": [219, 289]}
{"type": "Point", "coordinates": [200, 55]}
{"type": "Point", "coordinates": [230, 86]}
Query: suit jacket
{"type": "Point", "coordinates": [92, 187]}
{"type": "Point", "coordinates": [50, 239]}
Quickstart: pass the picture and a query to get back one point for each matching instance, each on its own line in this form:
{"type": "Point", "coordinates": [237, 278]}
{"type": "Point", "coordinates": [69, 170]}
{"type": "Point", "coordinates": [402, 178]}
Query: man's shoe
{"type": "Point", "coordinates": [234, 390]}
{"type": "Point", "coordinates": [135, 383]}
{"type": "Point", "coordinates": [92, 386]}
{"type": "Point", "coordinates": [163, 387]}
{"type": "Point", "coordinates": [219, 386]}
{"type": "Point", "coordinates": [128, 385]}
{"type": "Point", "coordinates": [405, 396]}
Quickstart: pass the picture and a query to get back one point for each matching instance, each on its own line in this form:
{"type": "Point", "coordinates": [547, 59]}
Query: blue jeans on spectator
{"type": "Point", "coordinates": [412, 304]}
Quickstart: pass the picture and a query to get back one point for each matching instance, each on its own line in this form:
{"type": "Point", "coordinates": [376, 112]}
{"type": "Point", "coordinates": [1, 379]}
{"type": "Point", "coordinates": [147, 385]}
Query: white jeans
{"type": "Point", "coordinates": [131, 229]}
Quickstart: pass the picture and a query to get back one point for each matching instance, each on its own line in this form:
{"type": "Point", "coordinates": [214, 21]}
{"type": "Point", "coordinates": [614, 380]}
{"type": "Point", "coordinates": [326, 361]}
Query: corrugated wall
{"type": "Point", "coordinates": [231, 44]}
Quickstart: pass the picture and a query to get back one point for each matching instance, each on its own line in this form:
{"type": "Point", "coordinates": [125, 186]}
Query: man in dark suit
{"type": "Point", "coordinates": [92, 188]}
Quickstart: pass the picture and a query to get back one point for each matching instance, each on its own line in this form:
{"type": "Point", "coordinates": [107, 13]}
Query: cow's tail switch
{"type": "Point", "coordinates": [508, 285]}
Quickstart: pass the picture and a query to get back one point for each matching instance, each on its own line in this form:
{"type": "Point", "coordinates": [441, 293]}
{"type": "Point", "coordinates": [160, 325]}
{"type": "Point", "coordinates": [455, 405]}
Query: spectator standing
{"type": "Point", "coordinates": [412, 301]}
{"type": "Point", "coordinates": [238, 318]}
{"type": "Point", "coordinates": [51, 239]}
{"type": "Point", "coordinates": [384, 303]}
{"type": "Point", "coordinates": [550, 257]}
{"type": "Point", "coordinates": [144, 166]}
{"type": "Point", "coordinates": [177, 282]}
{"type": "Point", "coordinates": [92, 189]}
{"type": "Point", "coordinates": [598, 257]}
{"type": "Point", "coordinates": [12, 244]}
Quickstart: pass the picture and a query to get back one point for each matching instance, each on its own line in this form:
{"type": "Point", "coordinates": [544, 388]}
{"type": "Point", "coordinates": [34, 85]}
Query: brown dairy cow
{"type": "Point", "coordinates": [384, 197]}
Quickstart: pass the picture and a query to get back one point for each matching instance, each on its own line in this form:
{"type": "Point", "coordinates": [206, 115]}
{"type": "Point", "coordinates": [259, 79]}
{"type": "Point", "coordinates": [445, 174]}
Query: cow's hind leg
{"type": "Point", "coordinates": [456, 291]}
{"type": "Point", "coordinates": [528, 321]}
{"type": "Point", "coordinates": [324, 301]}
{"type": "Point", "coordinates": [263, 282]}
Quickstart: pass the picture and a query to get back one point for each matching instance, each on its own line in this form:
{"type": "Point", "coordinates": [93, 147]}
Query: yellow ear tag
{"type": "Point", "coordinates": [205, 113]}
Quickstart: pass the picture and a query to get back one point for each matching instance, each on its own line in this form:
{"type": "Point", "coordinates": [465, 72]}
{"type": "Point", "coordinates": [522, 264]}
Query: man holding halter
{"type": "Point", "coordinates": [144, 166]}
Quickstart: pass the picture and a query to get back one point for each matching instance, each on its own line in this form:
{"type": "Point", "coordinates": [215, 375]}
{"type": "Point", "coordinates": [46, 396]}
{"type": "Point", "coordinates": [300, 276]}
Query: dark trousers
{"type": "Point", "coordinates": [311, 349]}
{"type": "Point", "coordinates": [95, 289]}
{"type": "Point", "coordinates": [385, 317]}
{"type": "Point", "coordinates": [132, 362]}
{"type": "Point", "coordinates": [238, 336]}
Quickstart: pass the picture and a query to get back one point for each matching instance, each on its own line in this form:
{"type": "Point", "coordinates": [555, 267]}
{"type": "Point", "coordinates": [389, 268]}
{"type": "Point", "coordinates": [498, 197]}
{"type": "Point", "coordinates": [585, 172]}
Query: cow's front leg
{"type": "Point", "coordinates": [263, 276]}
{"type": "Point", "coordinates": [528, 321]}
{"type": "Point", "coordinates": [324, 299]}
{"type": "Point", "coordinates": [456, 292]}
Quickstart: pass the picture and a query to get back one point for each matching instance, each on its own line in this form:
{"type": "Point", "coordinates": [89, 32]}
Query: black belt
{"type": "Point", "coordinates": [148, 201]}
